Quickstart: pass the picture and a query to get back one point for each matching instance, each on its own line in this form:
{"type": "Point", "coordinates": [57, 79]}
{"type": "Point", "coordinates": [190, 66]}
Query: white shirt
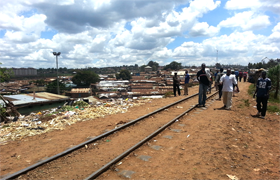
{"type": "Point", "coordinates": [228, 82]}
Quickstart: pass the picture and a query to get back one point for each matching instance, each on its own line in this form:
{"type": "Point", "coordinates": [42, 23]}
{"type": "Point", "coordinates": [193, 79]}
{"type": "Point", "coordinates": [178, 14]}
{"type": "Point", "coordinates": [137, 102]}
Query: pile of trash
{"type": "Point", "coordinates": [33, 124]}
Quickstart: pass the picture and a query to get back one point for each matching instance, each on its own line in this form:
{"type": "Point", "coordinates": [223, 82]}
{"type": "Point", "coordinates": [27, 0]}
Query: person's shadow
{"type": "Point", "coordinates": [222, 108]}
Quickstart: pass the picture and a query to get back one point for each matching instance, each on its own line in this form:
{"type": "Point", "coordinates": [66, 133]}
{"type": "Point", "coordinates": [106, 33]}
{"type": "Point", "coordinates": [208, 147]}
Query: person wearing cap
{"type": "Point", "coordinates": [203, 79]}
{"type": "Point", "coordinates": [228, 80]}
{"type": "Point", "coordinates": [176, 84]}
{"type": "Point", "coordinates": [187, 79]}
{"type": "Point", "coordinates": [262, 90]}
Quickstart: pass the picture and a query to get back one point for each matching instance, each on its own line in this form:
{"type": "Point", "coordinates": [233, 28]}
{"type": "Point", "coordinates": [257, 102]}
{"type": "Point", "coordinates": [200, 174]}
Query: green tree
{"type": "Point", "coordinates": [250, 66]}
{"type": "Point", "coordinates": [259, 65]}
{"type": "Point", "coordinates": [271, 63]}
{"type": "Point", "coordinates": [5, 74]}
{"type": "Point", "coordinates": [274, 75]}
{"type": "Point", "coordinates": [218, 65]}
{"type": "Point", "coordinates": [124, 74]}
{"type": "Point", "coordinates": [40, 82]}
{"type": "Point", "coordinates": [85, 78]}
{"type": "Point", "coordinates": [153, 65]}
{"type": "Point", "coordinates": [52, 87]}
{"type": "Point", "coordinates": [142, 68]}
{"type": "Point", "coordinates": [173, 66]}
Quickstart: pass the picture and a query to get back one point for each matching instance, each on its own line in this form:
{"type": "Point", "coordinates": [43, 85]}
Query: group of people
{"type": "Point", "coordinates": [226, 84]}
{"type": "Point", "coordinates": [176, 83]}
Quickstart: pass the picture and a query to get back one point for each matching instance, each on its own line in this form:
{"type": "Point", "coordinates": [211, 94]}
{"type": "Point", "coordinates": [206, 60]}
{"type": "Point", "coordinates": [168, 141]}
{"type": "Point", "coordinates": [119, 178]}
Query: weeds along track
{"type": "Point", "coordinates": [90, 159]}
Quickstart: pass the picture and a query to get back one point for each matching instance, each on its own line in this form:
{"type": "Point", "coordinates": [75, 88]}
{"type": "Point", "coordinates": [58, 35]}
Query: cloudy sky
{"type": "Point", "coordinates": [101, 33]}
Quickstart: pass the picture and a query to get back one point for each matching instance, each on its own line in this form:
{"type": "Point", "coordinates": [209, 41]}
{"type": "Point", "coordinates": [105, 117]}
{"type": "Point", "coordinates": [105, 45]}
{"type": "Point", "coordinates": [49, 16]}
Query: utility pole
{"type": "Point", "coordinates": [217, 57]}
{"type": "Point", "coordinates": [57, 54]}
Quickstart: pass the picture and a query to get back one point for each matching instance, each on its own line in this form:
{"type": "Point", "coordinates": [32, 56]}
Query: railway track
{"type": "Point", "coordinates": [89, 156]}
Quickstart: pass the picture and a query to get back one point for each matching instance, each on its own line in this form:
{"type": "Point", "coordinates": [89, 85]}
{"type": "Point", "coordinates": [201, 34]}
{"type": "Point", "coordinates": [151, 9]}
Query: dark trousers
{"type": "Point", "coordinates": [240, 77]}
{"type": "Point", "coordinates": [176, 86]}
{"type": "Point", "coordinates": [263, 101]}
{"type": "Point", "coordinates": [220, 90]}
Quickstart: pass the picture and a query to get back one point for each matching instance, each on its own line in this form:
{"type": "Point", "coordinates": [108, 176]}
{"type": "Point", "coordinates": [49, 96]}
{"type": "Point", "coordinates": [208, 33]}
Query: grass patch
{"type": "Point", "coordinates": [251, 89]}
{"type": "Point", "coordinates": [67, 108]}
{"type": "Point", "coordinates": [50, 114]}
{"type": "Point", "coordinates": [244, 103]}
{"type": "Point", "coordinates": [5, 126]}
{"type": "Point", "coordinates": [271, 97]}
{"type": "Point", "coordinates": [273, 109]}
{"type": "Point", "coordinates": [168, 94]}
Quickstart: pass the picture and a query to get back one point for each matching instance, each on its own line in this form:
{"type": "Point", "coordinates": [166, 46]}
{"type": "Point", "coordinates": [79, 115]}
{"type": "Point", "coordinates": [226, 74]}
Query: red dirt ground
{"type": "Point", "coordinates": [212, 144]}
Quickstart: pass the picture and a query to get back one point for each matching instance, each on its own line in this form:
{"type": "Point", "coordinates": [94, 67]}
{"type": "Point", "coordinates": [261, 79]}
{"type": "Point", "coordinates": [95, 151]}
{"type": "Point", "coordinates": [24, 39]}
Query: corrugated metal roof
{"type": "Point", "coordinates": [80, 90]}
{"type": "Point", "coordinates": [21, 99]}
{"type": "Point", "coordinates": [144, 81]}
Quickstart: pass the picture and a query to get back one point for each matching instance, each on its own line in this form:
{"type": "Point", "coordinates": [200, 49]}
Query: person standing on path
{"type": "Point", "coordinates": [240, 76]}
{"type": "Point", "coordinates": [176, 84]}
{"type": "Point", "coordinates": [262, 91]}
{"type": "Point", "coordinates": [236, 74]}
{"type": "Point", "coordinates": [187, 79]}
{"type": "Point", "coordinates": [202, 77]}
{"type": "Point", "coordinates": [228, 80]}
{"type": "Point", "coordinates": [244, 76]}
{"type": "Point", "coordinates": [217, 80]}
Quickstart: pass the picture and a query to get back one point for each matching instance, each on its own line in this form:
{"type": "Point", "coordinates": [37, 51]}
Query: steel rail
{"type": "Point", "coordinates": [124, 154]}
{"type": "Point", "coordinates": [18, 173]}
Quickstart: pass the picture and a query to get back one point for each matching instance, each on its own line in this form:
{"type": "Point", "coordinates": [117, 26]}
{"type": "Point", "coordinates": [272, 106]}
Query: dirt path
{"type": "Point", "coordinates": [212, 143]}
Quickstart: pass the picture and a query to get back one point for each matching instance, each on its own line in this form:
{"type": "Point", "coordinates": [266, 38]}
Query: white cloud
{"type": "Point", "coordinates": [241, 4]}
{"type": "Point", "coordinates": [276, 28]}
{"type": "Point", "coordinates": [30, 29]}
{"type": "Point", "coordinates": [255, 5]}
{"type": "Point", "coordinates": [247, 20]}
{"type": "Point", "coordinates": [274, 38]}
{"type": "Point", "coordinates": [236, 48]}
{"type": "Point", "coordinates": [203, 29]}
{"type": "Point", "coordinates": [93, 33]}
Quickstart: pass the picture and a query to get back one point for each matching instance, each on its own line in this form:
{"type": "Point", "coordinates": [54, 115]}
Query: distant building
{"type": "Point", "coordinates": [79, 92]}
{"type": "Point", "coordinates": [24, 71]}
{"type": "Point", "coordinates": [148, 69]}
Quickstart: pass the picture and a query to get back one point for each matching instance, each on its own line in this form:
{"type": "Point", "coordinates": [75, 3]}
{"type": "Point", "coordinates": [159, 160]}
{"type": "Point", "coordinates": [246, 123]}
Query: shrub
{"type": "Point", "coordinates": [168, 94]}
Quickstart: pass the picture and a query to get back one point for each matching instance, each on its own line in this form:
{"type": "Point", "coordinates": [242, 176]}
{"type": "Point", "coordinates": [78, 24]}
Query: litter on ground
{"type": "Point", "coordinates": [28, 125]}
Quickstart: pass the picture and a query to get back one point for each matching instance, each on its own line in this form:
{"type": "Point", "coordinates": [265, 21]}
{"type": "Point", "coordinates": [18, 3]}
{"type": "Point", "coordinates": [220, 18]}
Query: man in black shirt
{"type": "Point", "coordinates": [202, 77]}
{"type": "Point", "coordinates": [176, 84]}
{"type": "Point", "coordinates": [262, 91]}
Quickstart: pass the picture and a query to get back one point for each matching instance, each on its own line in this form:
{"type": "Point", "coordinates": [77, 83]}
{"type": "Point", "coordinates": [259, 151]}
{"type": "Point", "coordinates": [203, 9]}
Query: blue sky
{"type": "Point", "coordinates": [100, 33]}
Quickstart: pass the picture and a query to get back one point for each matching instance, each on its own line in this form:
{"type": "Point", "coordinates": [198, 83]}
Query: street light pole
{"type": "Point", "coordinates": [57, 54]}
{"type": "Point", "coordinates": [217, 56]}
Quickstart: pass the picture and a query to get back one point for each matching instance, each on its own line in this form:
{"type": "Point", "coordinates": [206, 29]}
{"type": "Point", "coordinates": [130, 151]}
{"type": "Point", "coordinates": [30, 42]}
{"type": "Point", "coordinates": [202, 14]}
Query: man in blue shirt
{"type": "Point", "coordinates": [187, 79]}
{"type": "Point", "coordinates": [262, 90]}
{"type": "Point", "coordinates": [236, 74]}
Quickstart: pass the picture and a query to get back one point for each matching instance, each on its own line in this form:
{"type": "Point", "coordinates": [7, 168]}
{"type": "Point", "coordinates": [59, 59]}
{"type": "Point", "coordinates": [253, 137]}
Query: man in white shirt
{"type": "Point", "coordinates": [227, 81]}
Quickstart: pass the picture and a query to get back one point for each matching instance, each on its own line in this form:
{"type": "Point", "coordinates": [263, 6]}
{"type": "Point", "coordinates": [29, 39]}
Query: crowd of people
{"type": "Point", "coordinates": [226, 84]}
